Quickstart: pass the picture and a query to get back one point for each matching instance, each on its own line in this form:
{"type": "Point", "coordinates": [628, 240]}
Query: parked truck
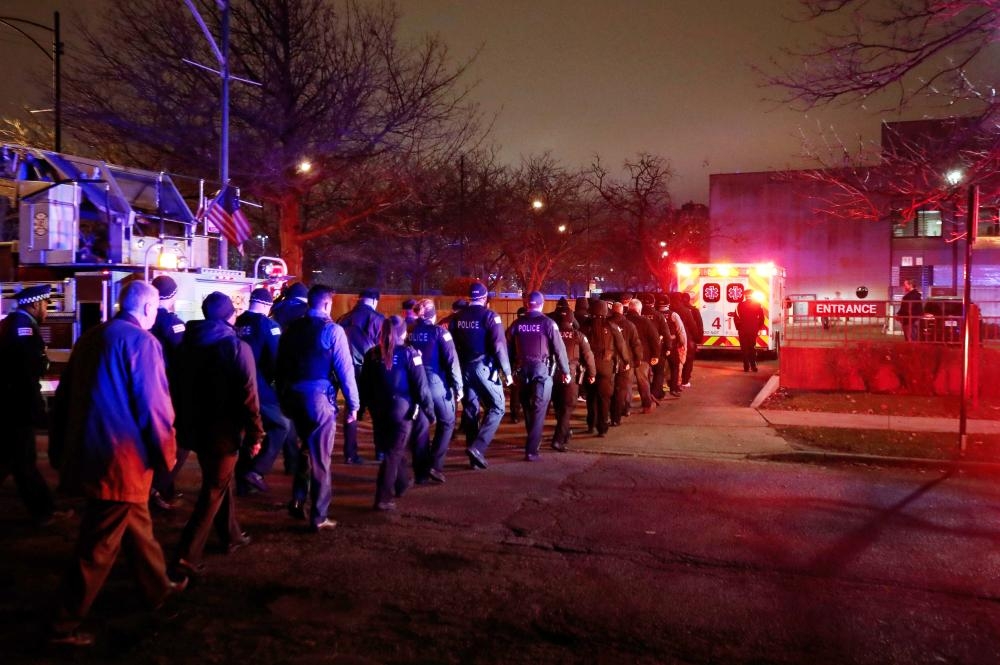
{"type": "Point", "coordinates": [85, 227]}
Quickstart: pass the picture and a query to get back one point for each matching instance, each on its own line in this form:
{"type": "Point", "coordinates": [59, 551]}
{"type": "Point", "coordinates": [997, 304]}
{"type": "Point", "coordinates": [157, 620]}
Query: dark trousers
{"type": "Point", "coordinates": [659, 378]}
{"type": "Point", "coordinates": [620, 399]}
{"type": "Point", "coordinates": [430, 453]}
{"type": "Point", "coordinates": [19, 458]}
{"type": "Point", "coordinates": [279, 437]}
{"type": "Point", "coordinates": [316, 422]}
{"type": "Point", "coordinates": [534, 396]}
{"type": "Point", "coordinates": [392, 437]}
{"type": "Point", "coordinates": [105, 527]}
{"type": "Point", "coordinates": [482, 388]}
{"type": "Point", "coordinates": [689, 363]}
{"type": "Point", "coordinates": [599, 396]}
{"type": "Point", "coordinates": [642, 384]}
{"type": "Point", "coordinates": [563, 400]}
{"type": "Point", "coordinates": [216, 506]}
{"type": "Point", "coordinates": [748, 349]}
{"type": "Point", "coordinates": [351, 429]}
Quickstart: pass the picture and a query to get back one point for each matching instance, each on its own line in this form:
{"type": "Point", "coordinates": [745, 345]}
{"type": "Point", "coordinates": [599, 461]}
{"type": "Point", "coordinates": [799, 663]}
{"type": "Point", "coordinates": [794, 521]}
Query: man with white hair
{"type": "Point", "coordinates": [112, 428]}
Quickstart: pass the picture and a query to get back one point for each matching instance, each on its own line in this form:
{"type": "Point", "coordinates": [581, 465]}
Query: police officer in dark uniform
{"type": "Point", "coordinates": [292, 305]}
{"type": "Point", "coordinates": [621, 405]}
{"type": "Point", "coordinates": [23, 362]}
{"type": "Point", "coordinates": [538, 352]}
{"type": "Point", "coordinates": [444, 379]}
{"type": "Point", "coordinates": [610, 355]}
{"type": "Point", "coordinates": [581, 311]}
{"type": "Point", "coordinates": [394, 384]}
{"type": "Point", "coordinates": [169, 330]}
{"type": "Point", "coordinates": [482, 352]}
{"type": "Point", "coordinates": [313, 352]}
{"type": "Point", "coordinates": [649, 311]}
{"type": "Point", "coordinates": [650, 344]}
{"type": "Point", "coordinates": [515, 386]}
{"type": "Point", "coordinates": [690, 332]}
{"type": "Point", "coordinates": [362, 325]}
{"type": "Point", "coordinates": [262, 335]}
{"type": "Point", "coordinates": [581, 370]}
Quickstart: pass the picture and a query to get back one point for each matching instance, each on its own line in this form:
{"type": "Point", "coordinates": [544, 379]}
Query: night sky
{"type": "Point", "coordinates": [585, 77]}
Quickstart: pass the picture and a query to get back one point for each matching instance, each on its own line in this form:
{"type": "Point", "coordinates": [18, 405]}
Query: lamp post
{"type": "Point", "coordinates": [55, 56]}
{"type": "Point", "coordinates": [972, 219]}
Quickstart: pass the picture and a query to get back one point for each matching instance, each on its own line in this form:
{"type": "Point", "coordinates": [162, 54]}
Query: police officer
{"type": "Point", "coordinates": [515, 386]}
{"type": "Point", "coordinates": [262, 335]}
{"type": "Point", "coordinates": [690, 333]}
{"type": "Point", "coordinates": [482, 353]}
{"type": "Point", "coordinates": [621, 405]}
{"type": "Point", "coordinates": [444, 379]}
{"type": "Point", "coordinates": [394, 384]}
{"type": "Point", "coordinates": [362, 325]}
{"type": "Point", "coordinates": [23, 359]}
{"type": "Point", "coordinates": [749, 319]}
{"type": "Point", "coordinates": [538, 353]}
{"type": "Point", "coordinates": [169, 330]}
{"type": "Point", "coordinates": [659, 322]}
{"type": "Point", "coordinates": [610, 355]}
{"type": "Point", "coordinates": [581, 370]}
{"type": "Point", "coordinates": [649, 340]}
{"type": "Point", "coordinates": [677, 351]}
{"type": "Point", "coordinates": [291, 305]}
{"type": "Point", "coordinates": [312, 352]}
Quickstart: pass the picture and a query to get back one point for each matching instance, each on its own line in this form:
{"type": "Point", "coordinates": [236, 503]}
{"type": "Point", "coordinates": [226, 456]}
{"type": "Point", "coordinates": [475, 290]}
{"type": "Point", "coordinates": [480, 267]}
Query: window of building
{"type": "Point", "coordinates": [989, 222]}
{"type": "Point", "coordinates": [925, 224]}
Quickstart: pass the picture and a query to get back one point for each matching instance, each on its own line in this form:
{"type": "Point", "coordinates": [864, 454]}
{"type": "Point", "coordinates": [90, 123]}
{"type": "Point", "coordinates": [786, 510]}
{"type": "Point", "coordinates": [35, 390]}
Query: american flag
{"type": "Point", "coordinates": [225, 214]}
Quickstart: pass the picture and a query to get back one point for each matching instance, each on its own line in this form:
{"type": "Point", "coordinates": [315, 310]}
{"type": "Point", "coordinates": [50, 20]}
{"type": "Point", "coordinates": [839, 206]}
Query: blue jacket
{"type": "Point", "coordinates": [113, 419]}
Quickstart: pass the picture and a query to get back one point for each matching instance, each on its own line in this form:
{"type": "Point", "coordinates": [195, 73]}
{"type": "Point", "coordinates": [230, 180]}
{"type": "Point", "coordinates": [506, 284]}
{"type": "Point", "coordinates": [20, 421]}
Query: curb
{"type": "Point", "coordinates": [772, 384]}
{"type": "Point", "coordinates": [809, 456]}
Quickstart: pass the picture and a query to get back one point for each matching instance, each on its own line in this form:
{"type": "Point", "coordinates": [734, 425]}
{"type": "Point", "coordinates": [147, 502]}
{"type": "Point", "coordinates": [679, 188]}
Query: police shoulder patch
{"type": "Point", "coordinates": [496, 319]}
{"type": "Point", "coordinates": [25, 332]}
{"type": "Point", "coordinates": [276, 330]}
{"type": "Point", "coordinates": [417, 360]}
{"type": "Point", "coordinates": [179, 327]}
{"type": "Point", "coordinates": [446, 336]}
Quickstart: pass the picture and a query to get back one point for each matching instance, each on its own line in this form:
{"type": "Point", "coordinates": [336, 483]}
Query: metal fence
{"type": "Point", "coordinates": [941, 324]}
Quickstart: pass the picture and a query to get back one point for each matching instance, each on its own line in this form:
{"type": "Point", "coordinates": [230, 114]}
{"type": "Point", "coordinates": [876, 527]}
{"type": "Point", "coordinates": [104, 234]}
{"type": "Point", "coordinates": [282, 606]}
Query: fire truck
{"type": "Point", "coordinates": [85, 227]}
{"type": "Point", "coordinates": [716, 289]}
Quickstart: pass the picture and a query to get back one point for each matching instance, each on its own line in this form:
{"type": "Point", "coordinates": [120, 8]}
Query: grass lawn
{"type": "Point", "coordinates": [888, 443]}
{"type": "Point", "coordinates": [896, 405]}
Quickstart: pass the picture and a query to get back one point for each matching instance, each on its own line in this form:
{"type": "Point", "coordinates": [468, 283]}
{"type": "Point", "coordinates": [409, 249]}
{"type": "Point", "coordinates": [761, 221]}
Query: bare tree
{"type": "Point", "coordinates": [337, 89]}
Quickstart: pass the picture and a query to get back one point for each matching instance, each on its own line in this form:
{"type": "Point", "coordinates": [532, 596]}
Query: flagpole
{"type": "Point", "coordinates": [224, 148]}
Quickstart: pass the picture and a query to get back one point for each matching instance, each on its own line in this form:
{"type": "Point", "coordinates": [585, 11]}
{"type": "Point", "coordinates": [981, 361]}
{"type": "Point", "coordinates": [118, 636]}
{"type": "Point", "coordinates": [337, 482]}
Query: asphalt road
{"type": "Point", "coordinates": [580, 558]}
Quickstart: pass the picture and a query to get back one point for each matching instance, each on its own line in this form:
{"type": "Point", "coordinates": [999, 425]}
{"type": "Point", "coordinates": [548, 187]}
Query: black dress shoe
{"type": "Point", "coordinates": [436, 476]}
{"type": "Point", "coordinates": [357, 460]}
{"type": "Point", "coordinates": [240, 543]}
{"type": "Point", "coordinates": [561, 447]}
{"type": "Point", "coordinates": [385, 506]}
{"type": "Point", "coordinates": [296, 509]}
{"type": "Point", "coordinates": [532, 457]}
{"type": "Point", "coordinates": [158, 502]}
{"type": "Point", "coordinates": [72, 638]}
{"type": "Point", "coordinates": [256, 481]}
{"type": "Point", "coordinates": [476, 459]}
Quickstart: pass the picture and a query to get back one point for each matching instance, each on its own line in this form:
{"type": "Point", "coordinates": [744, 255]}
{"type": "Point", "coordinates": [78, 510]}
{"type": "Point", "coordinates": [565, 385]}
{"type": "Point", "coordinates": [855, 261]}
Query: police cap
{"type": "Point", "coordinates": [217, 306]}
{"type": "Point", "coordinates": [536, 299]}
{"type": "Point", "coordinates": [371, 294]}
{"type": "Point", "coordinates": [296, 290]}
{"type": "Point", "coordinates": [166, 286]}
{"type": "Point", "coordinates": [477, 290]}
{"type": "Point", "coordinates": [262, 296]}
{"type": "Point", "coordinates": [34, 294]}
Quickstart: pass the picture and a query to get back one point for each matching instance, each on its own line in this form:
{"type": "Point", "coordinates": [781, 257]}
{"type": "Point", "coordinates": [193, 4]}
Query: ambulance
{"type": "Point", "coordinates": [716, 289]}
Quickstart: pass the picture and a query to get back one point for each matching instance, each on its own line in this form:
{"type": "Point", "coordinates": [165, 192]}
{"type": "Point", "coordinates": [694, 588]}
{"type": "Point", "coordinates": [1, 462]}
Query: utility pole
{"type": "Point", "coordinates": [461, 214]}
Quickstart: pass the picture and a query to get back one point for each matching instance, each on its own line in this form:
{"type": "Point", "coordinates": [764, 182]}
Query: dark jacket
{"type": "Point", "coordinates": [22, 364]}
{"type": "Point", "coordinates": [394, 394]}
{"type": "Point", "coordinates": [363, 325]}
{"type": "Point", "coordinates": [538, 349]}
{"type": "Point", "coordinates": [218, 405]}
{"type": "Point", "coordinates": [631, 336]}
{"type": "Point", "coordinates": [581, 357]}
{"type": "Point", "coordinates": [648, 335]}
{"type": "Point", "coordinates": [262, 335]}
{"type": "Point", "coordinates": [437, 349]}
{"type": "Point", "coordinates": [606, 342]}
{"type": "Point", "coordinates": [288, 310]}
{"type": "Point", "coordinates": [749, 317]}
{"type": "Point", "coordinates": [113, 419]}
{"type": "Point", "coordinates": [479, 338]}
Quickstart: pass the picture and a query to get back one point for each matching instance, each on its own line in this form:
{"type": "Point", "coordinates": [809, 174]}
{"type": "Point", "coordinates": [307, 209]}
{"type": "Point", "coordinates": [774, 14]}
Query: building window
{"type": "Point", "coordinates": [925, 224]}
{"type": "Point", "coordinates": [989, 222]}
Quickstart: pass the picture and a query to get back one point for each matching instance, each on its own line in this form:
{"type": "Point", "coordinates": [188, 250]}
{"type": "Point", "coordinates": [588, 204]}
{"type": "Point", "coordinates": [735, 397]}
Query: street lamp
{"type": "Point", "coordinates": [562, 228]}
{"type": "Point", "coordinates": [953, 177]}
{"type": "Point", "coordinates": [55, 56]}
{"type": "Point", "coordinates": [263, 243]}
{"type": "Point", "coordinates": [537, 204]}
{"type": "Point", "coordinates": [304, 166]}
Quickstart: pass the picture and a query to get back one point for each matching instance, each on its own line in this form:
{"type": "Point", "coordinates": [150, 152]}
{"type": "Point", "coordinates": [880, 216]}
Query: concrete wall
{"type": "Point", "coordinates": [758, 217]}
